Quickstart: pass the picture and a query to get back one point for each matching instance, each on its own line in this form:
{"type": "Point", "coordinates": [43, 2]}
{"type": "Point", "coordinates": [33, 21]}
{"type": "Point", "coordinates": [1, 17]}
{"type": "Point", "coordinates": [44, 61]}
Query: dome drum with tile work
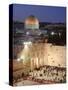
{"type": "Point", "coordinates": [31, 23]}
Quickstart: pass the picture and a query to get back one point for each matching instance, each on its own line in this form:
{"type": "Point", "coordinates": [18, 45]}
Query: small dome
{"type": "Point", "coordinates": [31, 23]}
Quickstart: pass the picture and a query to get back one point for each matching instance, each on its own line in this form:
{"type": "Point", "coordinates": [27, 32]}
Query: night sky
{"type": "Point", "coordinates": [43, 13]}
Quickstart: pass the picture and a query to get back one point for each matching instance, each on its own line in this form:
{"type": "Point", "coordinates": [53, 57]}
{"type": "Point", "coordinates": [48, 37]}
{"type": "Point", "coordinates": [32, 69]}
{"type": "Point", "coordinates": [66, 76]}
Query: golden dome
{"type": "Point", "coordinates": [31, 22]}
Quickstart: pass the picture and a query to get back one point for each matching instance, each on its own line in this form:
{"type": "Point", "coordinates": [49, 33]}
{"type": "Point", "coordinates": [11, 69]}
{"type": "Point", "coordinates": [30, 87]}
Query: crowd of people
{"type": "Point", "coordinates": [43, 75]}
{"type": "Point", "coordinates": [49, 73]}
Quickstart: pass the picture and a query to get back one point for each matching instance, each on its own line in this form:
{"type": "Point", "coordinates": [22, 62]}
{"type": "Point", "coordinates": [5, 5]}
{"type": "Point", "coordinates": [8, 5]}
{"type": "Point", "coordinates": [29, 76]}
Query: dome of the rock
{"type": "Point", "coordinates": [31, 22]}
